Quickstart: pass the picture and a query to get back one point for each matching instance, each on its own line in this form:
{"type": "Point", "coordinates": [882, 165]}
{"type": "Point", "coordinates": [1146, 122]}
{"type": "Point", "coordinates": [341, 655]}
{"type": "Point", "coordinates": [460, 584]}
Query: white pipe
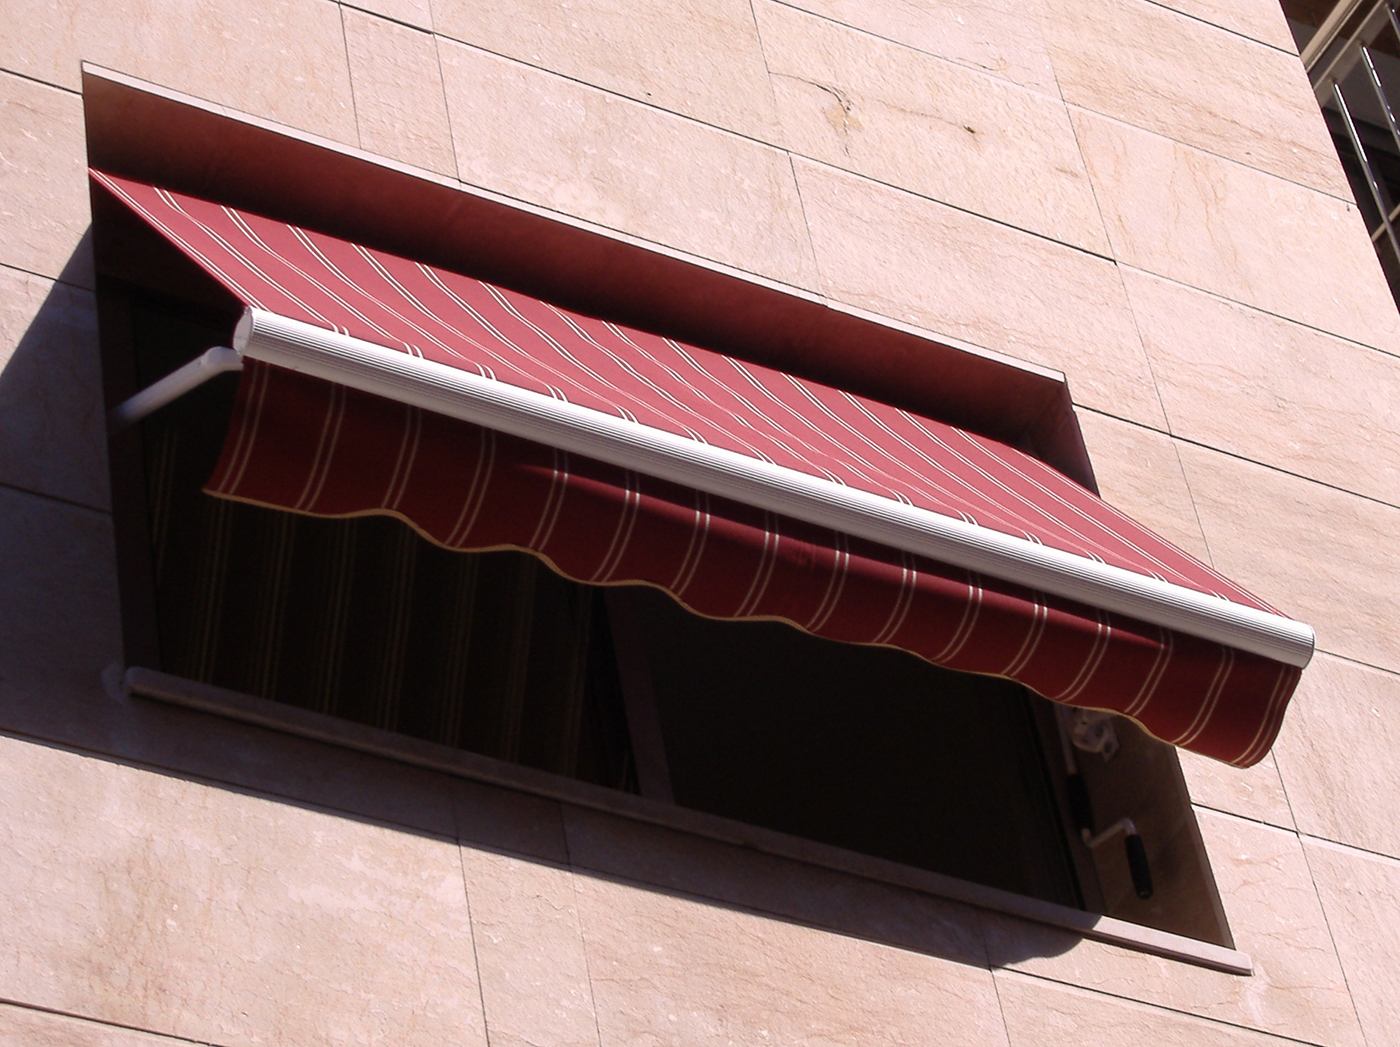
{"type": "Point", "coordinates": [533, 416]}
{"type": "Point", "coordinates": [176, 384]}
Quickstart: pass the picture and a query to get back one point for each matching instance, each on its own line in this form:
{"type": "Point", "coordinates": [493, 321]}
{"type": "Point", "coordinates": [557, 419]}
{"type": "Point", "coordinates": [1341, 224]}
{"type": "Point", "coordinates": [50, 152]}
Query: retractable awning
{"type": "Point", "coordinates": [490, 419]}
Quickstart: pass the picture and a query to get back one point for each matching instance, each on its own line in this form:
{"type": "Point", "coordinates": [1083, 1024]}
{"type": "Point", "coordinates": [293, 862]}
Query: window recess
{"type": "Point", "coordinates": [271, 590]}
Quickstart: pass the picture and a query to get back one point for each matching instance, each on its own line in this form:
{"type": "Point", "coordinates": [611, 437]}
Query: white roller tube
{"type": "Point", "coordinates": [446, 390]}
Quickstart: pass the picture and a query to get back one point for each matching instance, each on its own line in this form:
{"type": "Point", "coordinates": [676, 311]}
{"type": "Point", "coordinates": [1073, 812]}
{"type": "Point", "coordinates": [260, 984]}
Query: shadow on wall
{"type": "Point", "coordinates": [59, 630]}
{"type": "Point", "coordinates": [52, 437]}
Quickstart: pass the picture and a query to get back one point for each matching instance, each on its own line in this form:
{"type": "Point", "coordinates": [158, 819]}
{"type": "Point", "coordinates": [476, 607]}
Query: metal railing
{"type": "Point", "coordinates": [1353, 63]}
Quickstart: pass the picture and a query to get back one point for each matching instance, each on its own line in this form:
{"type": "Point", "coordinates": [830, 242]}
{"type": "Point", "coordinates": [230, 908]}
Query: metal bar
{"type": "Point", "coordinates": [475, 398]}
{"type": "Point", "coordinates": [1375, 77]}
{"type": "Point", "coordinates": [1347, 55]}
{"type": "Point", "coordinates": [176, 384]}
{"type": "Point", "coordinates": [1327, 32]}
{"type": "Point", "coordinates": [1377, 192]}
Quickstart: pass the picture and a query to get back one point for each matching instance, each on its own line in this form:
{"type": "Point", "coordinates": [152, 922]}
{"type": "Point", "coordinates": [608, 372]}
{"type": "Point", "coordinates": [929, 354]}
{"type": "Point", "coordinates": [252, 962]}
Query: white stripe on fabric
{"type": "Point", "coordinates": [1091, 662]}
{"type": "Point", "coordinates": [554, 502]}
{"type": "Point", "coordinates": [763, 575]}
{"type": "Point", "coordinates": [242, 452]}
{"type": "Point", "coordinates": [213, 267]}
{"type": "Point", "coordinates": [1212, 697]}
{"type": "Point", "coordinates": [694, 551]}
{"type": "Point", "coordinates": [1268, 724]}
{"type": "Point", "coordinates": [622, 533]}
{"type": "Point", "coordinates": [1166, 650]}
{"type": "Point", "coordinates": [967, 625]}
{"type": "Point", "coordinates": [908, 583]}
{"type": "Point", "coordinates": [325, 448]}
{"type": "Point", "coordinates": [836, 582]}
{"type": "Point", "coordinates": [1031, 642]}
{"type": "Point", "coordinates": [475, 496]}
{"type": "Point", "coordinates": [408, 454]}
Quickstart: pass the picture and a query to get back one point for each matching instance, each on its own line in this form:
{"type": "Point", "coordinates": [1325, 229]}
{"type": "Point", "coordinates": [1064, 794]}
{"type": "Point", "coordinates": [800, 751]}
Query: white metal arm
{"type": "Point", "coordinates": [176, 384]}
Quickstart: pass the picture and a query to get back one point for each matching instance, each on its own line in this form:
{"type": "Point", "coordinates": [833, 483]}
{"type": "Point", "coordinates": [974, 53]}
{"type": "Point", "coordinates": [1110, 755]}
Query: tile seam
{"type": "Point", "coordinates": [1014, 973]}
{"type": "Point", "coordinates": [1223, 28]}
{"type": "Point", "coordinates": [1082, 108]}
{"type": "Point", "coordinates": [969, 66]}
{"type": "Point", "coordinates": [104, 1023]}
{"type": "Point", "coordinates": [1258, 309]}
{"type": "Point", "coordinates": [56, 499]}
{"type": "Point", "coordinates": [76, 92]}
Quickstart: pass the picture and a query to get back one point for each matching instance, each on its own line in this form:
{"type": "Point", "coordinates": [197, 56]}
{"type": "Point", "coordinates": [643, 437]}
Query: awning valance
{"type": "Point", "coordinates": [488, 419]}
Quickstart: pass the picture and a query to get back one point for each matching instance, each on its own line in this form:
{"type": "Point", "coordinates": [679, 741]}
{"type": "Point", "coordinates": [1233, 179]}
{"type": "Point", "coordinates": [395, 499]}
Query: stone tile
{"type": "Point", "coordinates": [1154, 68]}
{"type": "Point", "coordinates": [1138, 471]}
{"type": "Point", "coordinates": [927, 125]}
{"type": "Point", "coordinates": [1316, 553]}
{"type": "Point", "coordinates": [279, 59]}
{"type": "Point", "coordinates": [22, 1027]}
{"type": "Point", "coordinates": [554, 142]}
{"type": "Point", "coordinates": [169, 905]}
{"type": "Point", "coordinates": [53, 437]}
{"type": "Point", "coordinates": [530, 951]}
{"type": "Point", "coordinates": [59, 624]}
{"type": "Point", "coordinates": [1358, 892]}
{"type": "Point", "coordinates": [1212, 224]}
{"type": "Point", "coordinates": [1297, 989]}
{"type": "Point", "coordinates": [741, 876]}
{"type": "Point", "coordinates": [1270, 390]}
{"type": "Point", "coordinates": [1041, 1014]}
{"type": "Point", "coordinates": [1256, 792]}
{"type": "Point", "coordinates": [702, 60]}
{"type": "Point", "coordinates": [672, 969]}
{"type": "Point", "coordinates": [410, 12]}
{"type": "Point", "coordinates": [1337, 754]}
{"type": "Point", "coordinates": [999, 36]}
{"type": "Point", "coordinates": [959, 275]}
{"type": "Point", "coordinates": [43, 180]}
{"type": "Point", "coordinates": [503, 820]}
{"type": "Point", "coordinates": [76, 709]}
{"type": "Point", "coordinates": [399, 104]}
{"type": "Point", "coordinates": [1263, 22]}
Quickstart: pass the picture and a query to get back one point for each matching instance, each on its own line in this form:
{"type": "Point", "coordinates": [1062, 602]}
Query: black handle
{"type": "Point", "coordinates": [1137, 864]}
{"type": "Point", "coordinates": [1080, 809]}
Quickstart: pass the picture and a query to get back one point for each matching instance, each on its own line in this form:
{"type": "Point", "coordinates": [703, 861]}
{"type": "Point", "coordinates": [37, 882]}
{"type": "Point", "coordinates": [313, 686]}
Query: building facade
{"type": "Point", "coordinates": [1138, 203]}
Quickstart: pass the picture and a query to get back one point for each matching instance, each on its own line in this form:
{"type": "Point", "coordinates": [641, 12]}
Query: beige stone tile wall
{"type": "Point", "coordinates": [1146, 65]}
{"type": "Point", "coordinates": [1298, 988]}
{"type": "Point", "coordinates": [587, 152]}
{"type": "Point", "coordinates": [163, 904]}
{"type": "Point", "coordinates": [280, 59]}
{"type": "Point", "coordinates": [1139, 194]}
{"type": "Point", "coordinates": [396, 80]}
{"type": "Point", "coordinates": [28, 1027]}
{"type": "Point", "coordinates": [43, 179]}
{"type": "Point", "coordinates": [52, 431]}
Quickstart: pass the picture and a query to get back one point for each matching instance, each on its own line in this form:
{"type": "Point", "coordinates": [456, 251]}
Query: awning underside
{"type": "Point", "coordinates": [307, 445]}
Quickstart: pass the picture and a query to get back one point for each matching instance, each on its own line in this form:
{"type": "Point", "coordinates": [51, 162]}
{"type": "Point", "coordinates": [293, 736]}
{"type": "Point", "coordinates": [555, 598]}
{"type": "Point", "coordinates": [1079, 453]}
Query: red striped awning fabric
{"type": "Point", "coordinates": [307, 445]}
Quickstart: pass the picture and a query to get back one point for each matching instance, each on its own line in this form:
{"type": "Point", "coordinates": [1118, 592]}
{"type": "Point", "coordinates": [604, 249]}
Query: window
{"type": "Point", "coordinates": [864, 748]}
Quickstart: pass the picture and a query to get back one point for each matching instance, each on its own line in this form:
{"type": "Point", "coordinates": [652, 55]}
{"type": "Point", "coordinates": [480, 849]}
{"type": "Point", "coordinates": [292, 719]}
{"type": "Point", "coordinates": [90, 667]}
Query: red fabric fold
{"type": "Point", "coordinates": [309, 446]}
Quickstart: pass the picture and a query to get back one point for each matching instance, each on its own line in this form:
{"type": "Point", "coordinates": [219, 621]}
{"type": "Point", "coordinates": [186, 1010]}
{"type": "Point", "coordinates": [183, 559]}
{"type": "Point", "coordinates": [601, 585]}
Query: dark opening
{"type": "Point", "coordinates": [866, 748]}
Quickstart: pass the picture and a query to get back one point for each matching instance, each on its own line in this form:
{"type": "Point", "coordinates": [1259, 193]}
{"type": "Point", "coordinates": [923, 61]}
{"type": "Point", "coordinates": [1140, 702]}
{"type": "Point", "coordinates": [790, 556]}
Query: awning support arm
{"type": "Point", "coordinates": [176, 384]}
